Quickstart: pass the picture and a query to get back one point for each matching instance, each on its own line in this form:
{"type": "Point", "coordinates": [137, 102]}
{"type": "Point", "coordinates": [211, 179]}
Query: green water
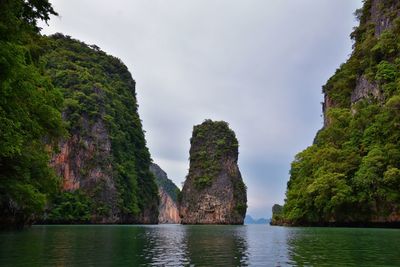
{"type": "Point", "coordinates": [178, 245]}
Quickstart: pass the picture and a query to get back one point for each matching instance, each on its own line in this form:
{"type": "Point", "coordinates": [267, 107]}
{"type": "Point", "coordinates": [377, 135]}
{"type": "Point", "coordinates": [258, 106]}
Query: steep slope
{"type": "Point", "coordinates": [351, 174]}
{"type": "Point", "coordinates": [30, 115]}
{"type": "Point", "coordinates": [214, 192]}
{"type": "Point", "coordinates": [104, 162]}
{"type": "Point", "coordinates": [168, 209]}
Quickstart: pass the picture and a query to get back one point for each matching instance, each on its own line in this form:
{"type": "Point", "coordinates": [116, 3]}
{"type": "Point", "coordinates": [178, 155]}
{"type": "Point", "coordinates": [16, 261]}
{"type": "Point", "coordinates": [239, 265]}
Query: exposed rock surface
{"type": "Point", "coordinates": [104, 160]}
{"type": "Point", "coordinates": [214, 192]}
{"type": "Point", "coordinates": [76, 163]}
{"type": "Point", "coordinates": [326, 105]}
{"type": "Point", "coordinates": [381, 20]}
{"type": "Point", "coordinates": [364, 89]}
{"type": "Point", "coordinates": [350, 175]}
{"type": "Point", "coordinates": [380, 16]}
{"type": "Point", "coordinates": [168, 209]}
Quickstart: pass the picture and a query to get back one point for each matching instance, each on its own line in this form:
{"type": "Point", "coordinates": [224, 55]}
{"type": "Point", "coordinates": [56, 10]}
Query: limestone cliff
{"type": "Point", "coordinates": [351, 173]}
{"type": "Point", "coordinates": [103, 162]}
{"type": "Point", "coordinates": [168, 209]}
{"type": "Point", "coordinates": [214, 192]}
{"type": "Point", "coordinates": [377, 17]}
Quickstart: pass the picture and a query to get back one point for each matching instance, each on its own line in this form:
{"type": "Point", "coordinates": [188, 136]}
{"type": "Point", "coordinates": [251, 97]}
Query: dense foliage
{"type": "Point", "coordinates": [212, 144]}
{"type": "Point", "coordinates": [41, 77]}
{"type": "Point", "coordinates": [212, 141]}
{"type": "Point", "coordinates": [71, 207]}
{"type": "Point", "coordinates": [351, 174]}
{"type": "Point", "coordinates": [98, 89]}
{"type": "Point", "coordinates": [30, 119]}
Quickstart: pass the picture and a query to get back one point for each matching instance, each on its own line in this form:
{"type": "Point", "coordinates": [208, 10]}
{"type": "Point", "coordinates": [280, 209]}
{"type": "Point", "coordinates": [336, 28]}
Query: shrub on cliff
{"type": "Point", "coordinates": [101, 112]}
{"type": "Point", "coordinates": [348, 174]}
{"type": "Point", "coordinates": [214, 192]}
{"type": "Point", "coordinates": [30, 118]}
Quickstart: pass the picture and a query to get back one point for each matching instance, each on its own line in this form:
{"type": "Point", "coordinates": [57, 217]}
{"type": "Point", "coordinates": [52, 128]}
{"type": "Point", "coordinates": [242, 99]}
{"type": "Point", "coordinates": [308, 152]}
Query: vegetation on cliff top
{"type": "Point", "coordinates": [212, 141]}
{"type": "Point", "coordinates": [30, 118]}
{"type": "Point", "coordinates": [99, 88]}
{"type": "Point", "coordinates": [41, 77]}
{"type": "Point", "coordinates": [213, 155]}
{"type": "Point", "coordinates": [351, 173]}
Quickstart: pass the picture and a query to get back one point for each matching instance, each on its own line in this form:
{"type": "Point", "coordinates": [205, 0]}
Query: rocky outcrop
{"type": "Point", "coordinates": [364, 89]}
{"type": "Point", "coordinates": [350, 175]}
{"type": "Point", "coordinates": [277, 218]}
{"type": "Point", "coordinates": [168, 208]}
{"type": "Point", "coordinates": [214, 192]}
{"type": "Point", "coordinates": [103, 162]}
{"type": "Point", "coordinates": [383, 20]}
{"type": "Point", "coordinates": [84, 163]}
{"type": "Point", "coordinates": [378, 17]}
{"type": "Point", "coordinates": [326, 105]}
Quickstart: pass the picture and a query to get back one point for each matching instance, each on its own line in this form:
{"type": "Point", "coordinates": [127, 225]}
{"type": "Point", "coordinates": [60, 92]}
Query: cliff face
{"type": "Point", "coordinates": [104, 162]}
{"type": "Point", "coordinates": [382, 14]}
{"type": "Point", "coordinates": [377, 17]}
{"type": "Point", "coordinates": [84, 163]}
{"type": "Point", "coordinates": [168, 209]}
{"type": "Point", "coordinates": [214, 192]}
{"type": "Point", "coordinates": [351, 174]}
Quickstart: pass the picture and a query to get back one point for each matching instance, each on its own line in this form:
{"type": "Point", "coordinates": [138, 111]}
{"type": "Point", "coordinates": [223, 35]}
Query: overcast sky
{"type": "Point", "coordinates": [257, 64]}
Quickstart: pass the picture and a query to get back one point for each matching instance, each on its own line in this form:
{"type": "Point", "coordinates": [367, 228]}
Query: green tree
{"type": "Point", "coordinates": [351, 172]}
{"type": "Point", "coordinates": [30, 119]}
{"type": "Point", "coordinates": [99, 90]}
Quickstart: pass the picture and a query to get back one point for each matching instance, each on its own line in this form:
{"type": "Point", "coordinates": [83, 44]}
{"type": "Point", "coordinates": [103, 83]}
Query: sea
{"type": "Point", "coordinates": [198, 245]}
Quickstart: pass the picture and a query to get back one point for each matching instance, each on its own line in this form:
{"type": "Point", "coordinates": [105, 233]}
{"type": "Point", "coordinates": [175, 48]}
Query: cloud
{"type": "Point", "coordinates": [257, 64]}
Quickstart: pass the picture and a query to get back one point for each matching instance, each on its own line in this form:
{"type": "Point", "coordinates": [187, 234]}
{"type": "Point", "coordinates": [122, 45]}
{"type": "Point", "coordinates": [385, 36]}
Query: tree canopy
{"type": "Point", "coordinates": [351, 172]}
{"type": "Point", "coordinates": [30, 118]}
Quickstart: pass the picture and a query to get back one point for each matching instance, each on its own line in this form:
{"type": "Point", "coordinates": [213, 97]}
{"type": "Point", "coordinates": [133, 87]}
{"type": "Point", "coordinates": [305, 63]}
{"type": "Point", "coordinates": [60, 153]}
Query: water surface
{"type": "Point", "coordinates": [182, 245]}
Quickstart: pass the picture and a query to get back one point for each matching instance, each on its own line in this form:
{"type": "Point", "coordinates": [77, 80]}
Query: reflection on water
{"type": "Point", "coordinates": [344, 246]}
{"type": "Point", "coordinates": [216, 245]}
{"type": "Point", "coordinates": [181, 245]}
{"type": "Point", "coordinates": [166, 246]}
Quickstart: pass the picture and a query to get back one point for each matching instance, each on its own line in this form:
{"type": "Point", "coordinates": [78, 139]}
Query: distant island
{"type": "Point", "coordinates": [250, 220]}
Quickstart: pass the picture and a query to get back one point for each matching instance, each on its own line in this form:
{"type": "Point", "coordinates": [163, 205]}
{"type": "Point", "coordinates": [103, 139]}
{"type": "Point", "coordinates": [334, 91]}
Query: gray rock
{"type": "Point", "coordinates": [364, 89]}
{"type": "Point", "coordinates": [214, 192]}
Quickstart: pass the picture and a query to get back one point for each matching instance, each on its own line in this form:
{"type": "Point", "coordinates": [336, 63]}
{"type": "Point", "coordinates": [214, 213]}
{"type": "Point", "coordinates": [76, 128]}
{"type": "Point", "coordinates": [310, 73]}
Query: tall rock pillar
{"type": "Point", "coordinates": [214, 192]}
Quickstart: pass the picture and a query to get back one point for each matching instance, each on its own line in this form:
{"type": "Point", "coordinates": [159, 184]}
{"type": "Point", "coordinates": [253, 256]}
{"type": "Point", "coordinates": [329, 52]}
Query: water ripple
{"type": "Point", "coordinates": [182, 245]}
